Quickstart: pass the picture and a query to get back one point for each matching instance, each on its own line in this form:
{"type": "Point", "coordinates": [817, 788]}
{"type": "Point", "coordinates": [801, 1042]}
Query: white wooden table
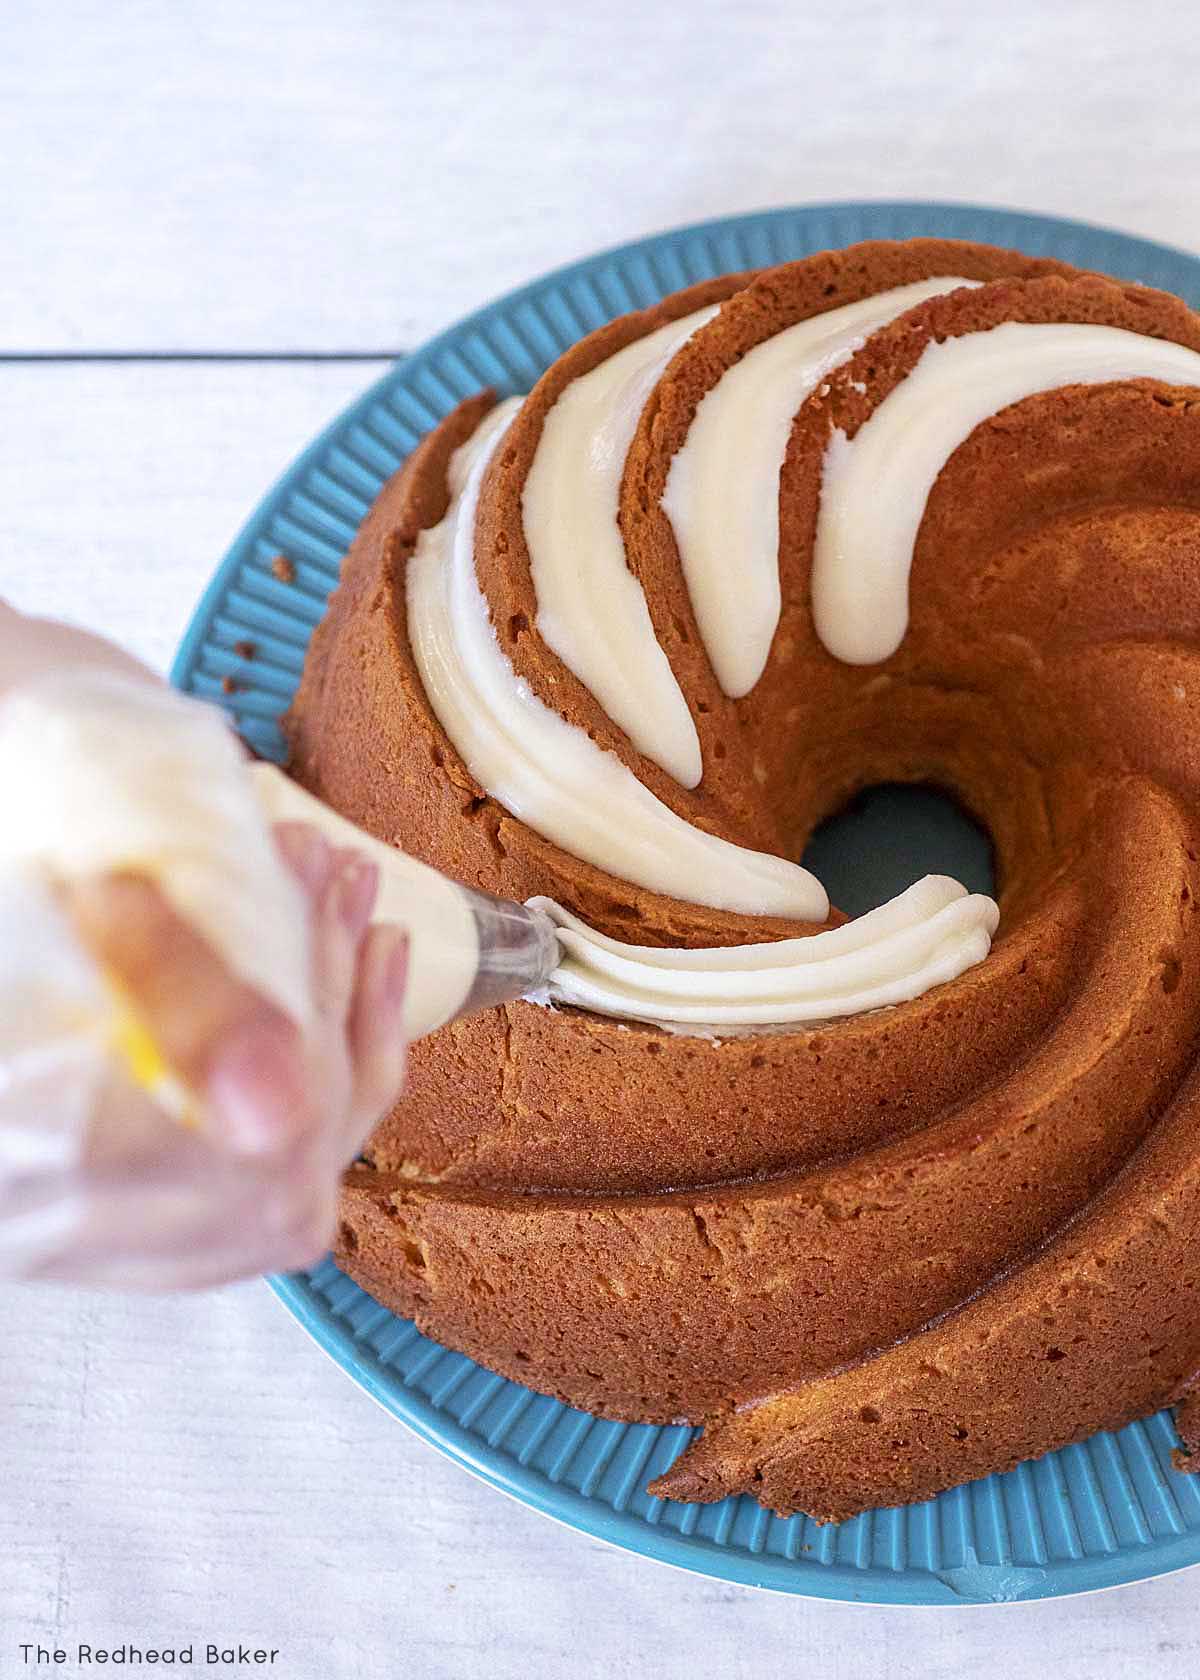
{"type": "Point", "coordinates": [216, 222]}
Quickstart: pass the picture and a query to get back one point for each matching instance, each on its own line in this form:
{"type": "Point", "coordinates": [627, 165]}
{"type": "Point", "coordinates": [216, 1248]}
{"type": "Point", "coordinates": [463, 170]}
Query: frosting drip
{"type": "Point", "coordinates": [722, 493]}
{"type": "Point", "coordinates": [927, 935]}
{"type": "Point", "coordinates": [876, 484]}
{"type": "Point", "coordinates": [591, 610]}
{"type": "Point", "coordinates": [544, 770]}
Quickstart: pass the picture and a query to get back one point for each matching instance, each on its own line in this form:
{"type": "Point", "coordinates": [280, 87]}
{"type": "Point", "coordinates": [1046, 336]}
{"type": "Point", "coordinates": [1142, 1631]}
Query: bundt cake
{"type": "Point", "coordinates": [924, 512]}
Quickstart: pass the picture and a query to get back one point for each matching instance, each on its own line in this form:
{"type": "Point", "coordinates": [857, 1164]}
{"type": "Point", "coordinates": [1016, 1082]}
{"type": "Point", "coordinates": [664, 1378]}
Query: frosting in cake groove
{"type": "Point", "coordinates": [875, 485]}
{"type": "Point", "coordinates": [591, 610]}
{"type": "Point", "coordinates": [925, 936]}
{"type": "Point", "coordinates": [722, 491]}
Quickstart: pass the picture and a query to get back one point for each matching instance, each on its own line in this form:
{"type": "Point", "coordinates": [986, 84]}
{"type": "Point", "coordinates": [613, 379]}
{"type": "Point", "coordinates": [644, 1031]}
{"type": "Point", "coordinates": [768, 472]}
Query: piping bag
{"type": "Point", "coordinates": [105, 1171]}
{"type": "Point", "coordinates": [468, 950]}
{"type": "Point", "coordinates": [106, 773]}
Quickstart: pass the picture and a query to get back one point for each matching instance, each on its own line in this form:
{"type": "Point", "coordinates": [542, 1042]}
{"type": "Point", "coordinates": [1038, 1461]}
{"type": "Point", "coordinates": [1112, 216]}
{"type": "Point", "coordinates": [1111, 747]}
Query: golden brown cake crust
{"type": "Point", "coordinates": [1077, 1341]}
{"type": "Point", "coordinates": [908, 1247]}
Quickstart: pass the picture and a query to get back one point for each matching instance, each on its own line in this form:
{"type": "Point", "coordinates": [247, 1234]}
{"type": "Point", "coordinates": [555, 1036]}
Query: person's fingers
{"type": "Point", "coordinates": [258, 1088]}
{"type": "Point", "coordinates": [235, 1048]}
{"type": "Point", "coordinates": [376, 1029]}
{"type": "Point", "coordinates": [238, 1051]}
{"type": "Point", "coordinates": [343, 909]}
{"type": "Point", "coordinates": [296, 1213]}
{"type": "Point", "coordinates": [308, 1233]}
{"type": "Point", "coordinates": [307, 853]}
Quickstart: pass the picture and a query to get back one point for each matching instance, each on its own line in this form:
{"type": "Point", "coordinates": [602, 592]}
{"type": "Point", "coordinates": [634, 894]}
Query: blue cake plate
{"type": "Point", "coordinates": [1094, 1515]}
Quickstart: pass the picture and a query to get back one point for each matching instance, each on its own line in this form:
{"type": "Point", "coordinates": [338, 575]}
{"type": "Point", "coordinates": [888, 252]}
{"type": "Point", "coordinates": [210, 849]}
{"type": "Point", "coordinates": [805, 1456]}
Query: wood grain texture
{"type": "Point", "coordinates": [122, 485]}
{"type": "Point", "coordinates": [287, 174]}
{"type": "Point", "coordinates": [279, 176]}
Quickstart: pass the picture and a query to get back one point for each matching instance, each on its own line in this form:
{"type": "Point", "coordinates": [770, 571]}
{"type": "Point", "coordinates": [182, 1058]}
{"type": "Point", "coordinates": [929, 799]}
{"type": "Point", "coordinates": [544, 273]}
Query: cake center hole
{"type": "Point", "coordinates": [891, 834]}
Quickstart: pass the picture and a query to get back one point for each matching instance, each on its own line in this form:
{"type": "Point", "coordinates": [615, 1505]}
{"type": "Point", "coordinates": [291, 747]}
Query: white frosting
{"type": "Point", "coordinates": [929, 934]}
{"type": "Point", "coordinates": [876, 484]}
{"type": "Point", "coordinates": [544, 770]}
{"type": "Point", "coordinates": [591, 610]}
{"type": "Point", "coordinates": [722, 493]}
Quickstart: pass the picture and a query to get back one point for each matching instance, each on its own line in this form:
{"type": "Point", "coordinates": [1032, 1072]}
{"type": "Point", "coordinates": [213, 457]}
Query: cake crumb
{"type": "Point", "coordinates": [283, 568]}
{"type": "Point", "coordinates": [244, 650]}
{"type": "Point", "coordinates": [229, 685]}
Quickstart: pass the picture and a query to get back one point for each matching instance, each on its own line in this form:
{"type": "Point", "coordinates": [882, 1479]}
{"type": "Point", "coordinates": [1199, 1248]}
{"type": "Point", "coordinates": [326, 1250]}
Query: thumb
{"type": "Point", "coordinates": [236, 1050]}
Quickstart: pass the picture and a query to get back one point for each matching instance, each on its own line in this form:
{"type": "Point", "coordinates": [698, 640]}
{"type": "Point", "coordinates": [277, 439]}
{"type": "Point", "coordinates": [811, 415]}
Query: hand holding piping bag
{"type": "Point", "coordinates": [201, 1015]}
{"type": "Point", "coordinates": [203, 997]}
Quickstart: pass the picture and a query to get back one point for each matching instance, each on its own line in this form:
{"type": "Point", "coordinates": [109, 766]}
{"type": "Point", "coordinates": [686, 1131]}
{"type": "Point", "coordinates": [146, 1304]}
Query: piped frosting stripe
{"type": "Point", "coordinates": [876, 484]}
{"type": "Point", "coordinates": [928, 934]}
{"type": "Point", "coordinates": [592, 611]}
